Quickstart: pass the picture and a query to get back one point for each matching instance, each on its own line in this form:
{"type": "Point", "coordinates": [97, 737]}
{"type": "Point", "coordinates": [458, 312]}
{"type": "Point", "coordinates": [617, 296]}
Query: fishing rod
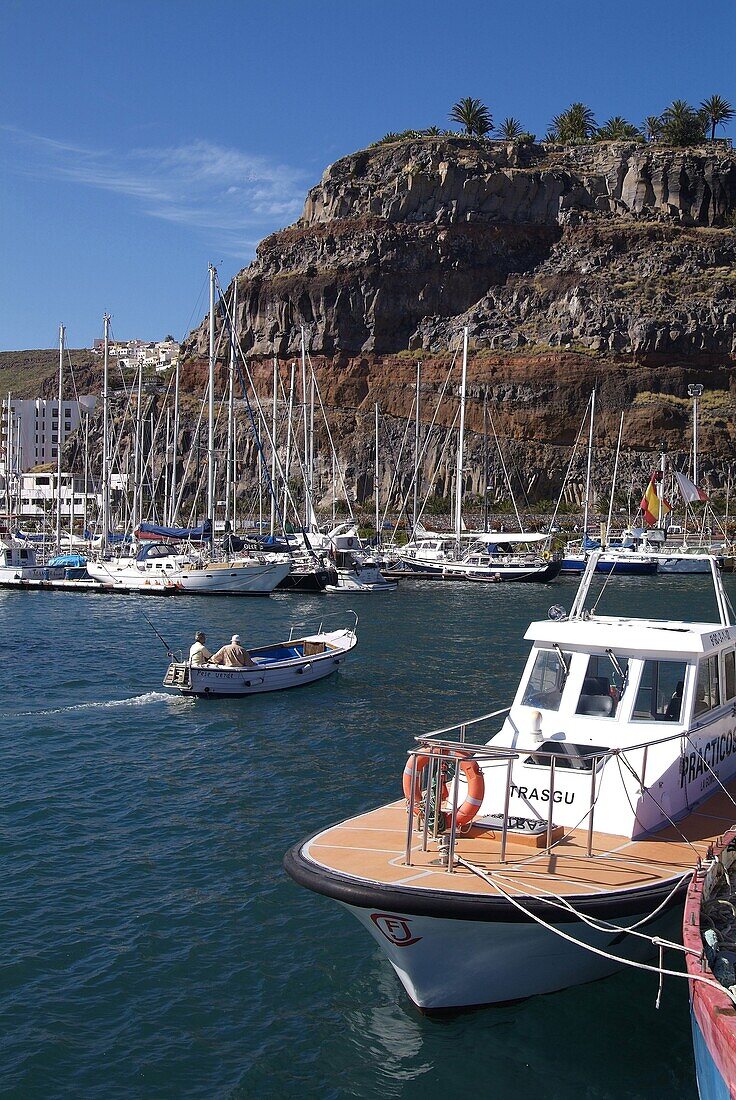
{"type": "Point", "coordinates": [163, 641]}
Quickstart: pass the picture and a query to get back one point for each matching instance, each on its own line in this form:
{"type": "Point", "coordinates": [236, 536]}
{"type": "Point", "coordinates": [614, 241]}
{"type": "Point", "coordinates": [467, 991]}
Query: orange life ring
{"type": "Point", "coordinates": [473, 776]}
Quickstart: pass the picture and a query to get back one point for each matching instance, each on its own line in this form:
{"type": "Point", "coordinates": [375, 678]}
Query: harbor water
{"type": "Point", "coordinates": [152, 944]}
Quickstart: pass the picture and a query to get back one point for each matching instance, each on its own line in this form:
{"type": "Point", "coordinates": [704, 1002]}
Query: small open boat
{"type": "Point", "coordinates": [289, 664]}
{"type": "Point", "coordinates": [708, 932]}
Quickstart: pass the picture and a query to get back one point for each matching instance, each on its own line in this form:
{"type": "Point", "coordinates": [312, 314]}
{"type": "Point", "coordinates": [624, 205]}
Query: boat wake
{"type": "Point", "coordinates": [136, 701]}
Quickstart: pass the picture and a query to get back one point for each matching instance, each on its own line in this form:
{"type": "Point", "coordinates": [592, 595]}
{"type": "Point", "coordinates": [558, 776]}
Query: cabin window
{"type": "Point", "coordinates": [603, 686]}
{"type": "Point", "coordinates": [706, 690]}
{"type": "Point", "coordinates": [567, 755]}
{"type": "Point", "coordinates": [547, 680]}
{"type": "Point", "coordinates": [729, 674]}
{"type": "Point", "coordinates": [659, 698]}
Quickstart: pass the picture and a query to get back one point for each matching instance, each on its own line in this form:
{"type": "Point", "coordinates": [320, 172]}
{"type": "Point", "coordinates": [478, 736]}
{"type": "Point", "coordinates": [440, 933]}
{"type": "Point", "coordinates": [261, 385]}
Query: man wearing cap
{"type": "Point", "coordinates": [199, 654]}
{"type": "Point", "coordinates": [232, 654]}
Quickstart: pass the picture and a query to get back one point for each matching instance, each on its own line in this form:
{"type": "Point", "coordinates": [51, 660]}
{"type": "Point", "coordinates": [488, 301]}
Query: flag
{"type": "Point", "coordinates": [653, 504]}
{"type": "Point", "coordinates": [689, 489]}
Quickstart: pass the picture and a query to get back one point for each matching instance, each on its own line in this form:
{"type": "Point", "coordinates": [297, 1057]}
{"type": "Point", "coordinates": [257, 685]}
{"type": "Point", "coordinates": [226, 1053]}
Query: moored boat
{"type": "Point", "coordinates": [200, 575]}
{"type": "Point", "coordinates": [560, 829]}
{"type": "Point", "coordinates": [708, 932]}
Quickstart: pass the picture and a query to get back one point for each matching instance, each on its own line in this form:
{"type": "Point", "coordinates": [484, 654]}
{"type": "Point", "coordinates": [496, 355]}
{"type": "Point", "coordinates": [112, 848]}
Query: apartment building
{"type": "Point", "coordinates": [31, 431]}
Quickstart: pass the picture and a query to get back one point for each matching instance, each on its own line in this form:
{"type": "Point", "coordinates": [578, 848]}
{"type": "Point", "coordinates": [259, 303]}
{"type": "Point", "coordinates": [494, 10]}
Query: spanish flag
{"type": "Point", "coordinates": [653, 505]}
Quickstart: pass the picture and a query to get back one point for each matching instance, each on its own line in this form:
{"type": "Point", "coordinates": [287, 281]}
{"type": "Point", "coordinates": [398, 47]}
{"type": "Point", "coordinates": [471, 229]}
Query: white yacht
{"type": "Point", "coordinates": [480, 556]}
{"type": "Point", "coordinates": [542, 846]}
{"type": "Point", "coordinates": [164, 562]}
{"type": "Point", "coordinates": [357, 569]}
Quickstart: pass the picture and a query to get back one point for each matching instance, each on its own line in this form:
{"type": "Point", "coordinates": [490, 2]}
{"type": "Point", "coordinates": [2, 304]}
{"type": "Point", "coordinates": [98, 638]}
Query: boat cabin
{"type": "Point", "coordinates": [637, 714]}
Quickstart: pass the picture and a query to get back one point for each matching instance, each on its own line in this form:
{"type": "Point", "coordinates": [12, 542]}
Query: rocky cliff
{"type": "Point", "coordinates": [610, 264]}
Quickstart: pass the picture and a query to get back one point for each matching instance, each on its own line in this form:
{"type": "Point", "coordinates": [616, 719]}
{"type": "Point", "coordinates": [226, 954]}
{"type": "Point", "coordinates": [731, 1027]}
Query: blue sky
{"type": "Point", "coordinates": [140, 140]}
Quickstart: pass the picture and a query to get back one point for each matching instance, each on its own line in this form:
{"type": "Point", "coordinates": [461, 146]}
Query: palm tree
{"type": "Point", "coordinates": [618, 129]}
{"type": "Point", "coordinates": [575, 124]}
{"type": "Point", "coordinates": [433, 131]}
{"type": "Point", "coordinates": [653, 127]}
{"type": "Point", "coordinates": [718, 112]}
{"type": "Point", "coordinates": [510, 129]}
{"type": "Point", "coordinates": [473, 115]}
{"type": "Point", "coordinates": [683, 125]}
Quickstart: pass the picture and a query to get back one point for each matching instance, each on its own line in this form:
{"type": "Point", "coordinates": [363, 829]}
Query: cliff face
{"type": "Point", "coordinates": [611, 264]}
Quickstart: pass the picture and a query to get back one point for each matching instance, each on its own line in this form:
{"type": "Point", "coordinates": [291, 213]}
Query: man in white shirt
{"type": "Point", "coordinates": [199, 654]}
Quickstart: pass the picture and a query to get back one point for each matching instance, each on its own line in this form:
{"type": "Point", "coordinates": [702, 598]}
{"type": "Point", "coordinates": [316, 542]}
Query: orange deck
{"type": "Point", "coordinates": [372, 846]}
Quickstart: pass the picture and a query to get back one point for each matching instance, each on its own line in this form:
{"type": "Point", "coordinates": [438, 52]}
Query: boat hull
{"type": "Point", "coordinates": [361, 580]}
{"type": "Point", "coordinates": [712, 1013]}
{"type": "Point", "coordinates": [233, 579]}
{"type": "Point", "coordinates": [208, 681]}
{"type": "Point", "coordinates": [618, 568]}
{"type": "Point", "coordinates": [315, 580]}
{"type": "Point", "coordinates": [452, 952]}
{"type": "Point", "coordinates": [716, 1079]}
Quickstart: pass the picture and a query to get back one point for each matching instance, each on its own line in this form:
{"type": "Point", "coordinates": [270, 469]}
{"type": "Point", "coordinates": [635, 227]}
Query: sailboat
{"type": "Point", "coordinates": [618, 560]}
{"type": "Point", "coordinates": [477, 556]}
{"type": "Point", "coordinates": [193, 571]}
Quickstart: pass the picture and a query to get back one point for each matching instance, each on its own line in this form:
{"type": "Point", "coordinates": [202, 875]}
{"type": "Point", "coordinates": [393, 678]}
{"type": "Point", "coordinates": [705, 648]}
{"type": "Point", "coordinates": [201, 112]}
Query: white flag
{"type": "Point", "coordinates": [689, 489]}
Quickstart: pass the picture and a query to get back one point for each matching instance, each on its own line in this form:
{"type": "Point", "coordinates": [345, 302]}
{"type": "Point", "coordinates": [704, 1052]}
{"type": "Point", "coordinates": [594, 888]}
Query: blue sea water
{"type": "Point", "coordinates": [152, 944]}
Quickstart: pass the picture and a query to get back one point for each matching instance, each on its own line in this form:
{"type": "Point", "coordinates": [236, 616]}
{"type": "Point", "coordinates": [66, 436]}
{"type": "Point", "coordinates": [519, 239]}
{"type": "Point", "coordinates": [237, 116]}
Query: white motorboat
{"type": "Point", "coordinates": [18, 562]}
{"type": "Point", "coordinates": [357, 570]}
{"type": "Point", "coordinates": [159, 561]}
{"type": "Point", "coordinates": [556, 853]}
{"type": "Point", "coordinates": [289, 664]}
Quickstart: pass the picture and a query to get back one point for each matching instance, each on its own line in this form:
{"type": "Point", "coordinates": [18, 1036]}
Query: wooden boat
{"type": "Point", "coordinates": [708, 933]}
{"type": "Point", "coordinates": [530, 841]}
{"type": "Point", "coordinates": [293, 663]}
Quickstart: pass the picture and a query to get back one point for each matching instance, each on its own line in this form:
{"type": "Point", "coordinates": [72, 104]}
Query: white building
{"type": "Point", "coordinates": [131, 354]}
{"type": "Point", "coordinates": [37, 497]}
{"type": "Point", "coordinates": [32, 431]}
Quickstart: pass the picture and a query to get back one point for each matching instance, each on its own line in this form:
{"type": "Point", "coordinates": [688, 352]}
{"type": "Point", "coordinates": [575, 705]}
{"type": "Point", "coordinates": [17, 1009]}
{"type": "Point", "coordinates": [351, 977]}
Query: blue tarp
{"type": "Point", "coordinates": [203, 533]}
{"type": "Point", "coordinates": [68, 561]}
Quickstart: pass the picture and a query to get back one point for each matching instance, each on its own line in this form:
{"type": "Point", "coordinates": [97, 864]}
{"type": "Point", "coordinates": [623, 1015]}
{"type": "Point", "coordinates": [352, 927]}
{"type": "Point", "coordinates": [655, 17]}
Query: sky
{"type": "Point", "coordinates": [141, 140]}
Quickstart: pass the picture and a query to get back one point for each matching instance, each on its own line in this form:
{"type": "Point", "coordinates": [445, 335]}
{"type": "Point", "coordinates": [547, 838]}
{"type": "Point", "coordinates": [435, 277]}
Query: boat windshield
{"type": "Point", "coordinates": [603, 685]}
{"type": "Point", "coordinates": [547, 679]}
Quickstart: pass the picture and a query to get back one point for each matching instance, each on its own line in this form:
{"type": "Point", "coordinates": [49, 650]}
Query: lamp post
{"type": "Point", "coordinates": [695, 390]}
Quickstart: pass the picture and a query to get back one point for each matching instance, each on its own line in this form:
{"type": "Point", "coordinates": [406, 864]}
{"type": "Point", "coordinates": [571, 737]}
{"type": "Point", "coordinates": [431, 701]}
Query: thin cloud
{"type": "Point", "coordinates": [235, 198]}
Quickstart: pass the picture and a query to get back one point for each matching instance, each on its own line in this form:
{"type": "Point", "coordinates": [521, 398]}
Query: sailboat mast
{"type": "Point", "coordinates": [615, 473]}
{"type": "Point", "coordinates": [105, 432]}
{"type": "Point", "coordinates": [59, 426]}
{"type": "Point", "coordinates": [230, 411]}
{"type": "Point", "coordinates": [485, 459]}
{"type": "Point", "coordinates": [85, 519]}
{"type": "Point", "coordinates": [310, 469]}
{"type": "Point", "coordinates": [590, 461]}
{"type": "Point", "coordinates": [416, 454]}
{"type": "Point", "coordinates": [307, 486]}
{"type": "Point", "coordinates": [461, 444]}
{"type": "Point", "coordinates": [175, 444]}
{"type": "Point", "coordinates": [8, 457]}
{"type": "Point", "coordinates": [695, 391]}
{"type": "Point", "coordinates": [273, 444]}
{"type": "Point", "coordinates": [137, 464]}
{"type": "Point", "coordinates": [287, 467]}
{"type": "Point", "coordinates": [375, 476]}
{"type": "Point", "coordinates": [211, 406]}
